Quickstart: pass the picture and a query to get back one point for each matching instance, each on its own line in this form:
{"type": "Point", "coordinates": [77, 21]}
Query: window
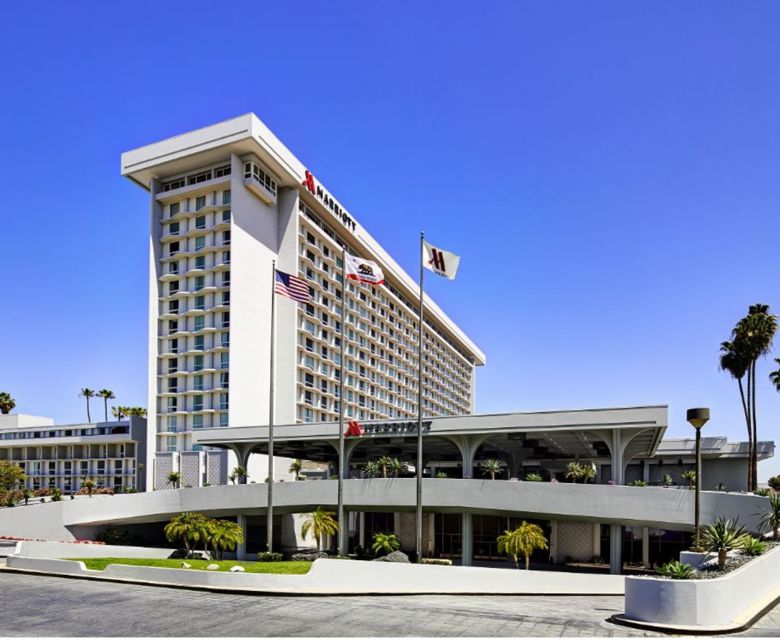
{"type": "Point", "coordinates": [226, 257]}
{"type": "Point", "coordinates": [225, 319]}
{"type": "Point", "coordinates": [224, 380]}
{"type": "Point", "coordinates": [172, 404]}
{"type": "Point", "coordinates": [197, 363]}
{"type": "Point", "coordinates": [226, 297]}
{"type": "Point", "coordinates": [226, 237]}
{"type": "Point", "coordinates": [221, 172]}
{"type": "Point", "coordinates": [200, 282]}
{"type": "Point", "coordinates": [226, 215]}
{"type": "Point", "coordinates": [172, 421]}
{"type": "Point", "coordinates": [173, 326]}
{"type": "Point", "coordinates": [226, 196]}
{"type": "Point", "coordinates": [197, 382]}
{"type": "Point", "coordinates": [200, 243]}
{"type": "Point", "coordinates": [173, 346]}
{"type": "Point", "coordinates": [173, 385]}
{"type": "Point", "coordinates": [173, 228]}
{"type": "Point", "coordinates": [200, 201]}
{"type": "Point", "coordinates": [174, 208]}
{"type": "Point", "coordinates": [200, 222]}
{"type": "Point", "coordinates": [173, 306]}
{"type": "Point", "coordinates": [253, 170]}
{"type": "Point", "coordinates": [199, 343]}
{"type": "Point", "coordinates": [197, 402]}
{"type": "Point", "coordinates": [197, 422]}
{"type": "Point", "coordinates": [173, 287]}
{"type": "Point", "coordinates": [224, 339]}
{"type": "Point", "coordinates": [200, 262]}
{"type": "Point", "coordinates": [171, 443]}
{"type": "Point", "coordinates": [308, 379]}
{"type": "Point", "coordinates": [173, 365]}
{"type": "Point", "coordinates": [223, 419]}
{"type": "Point", "coordinates": [200, 303]}
{"type": "Point", "coordinates": [173, 267]}
{"type": "Point", "coordinates": [223, 401]}
{"type": "Point", "coordinates": [224, 360]}
{"type": "Point", "coordinates": [226, 278]}
{"type": "Point", "coordinates": [174, 184]}
{"type": "Point", "coordinates": [199, 323]}
{"type": "Point", "coordinates": [173, 248]}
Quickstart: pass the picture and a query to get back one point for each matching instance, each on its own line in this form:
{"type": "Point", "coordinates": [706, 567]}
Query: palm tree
{"type": "Point", "coordinates": [188, 527]}
{"type": "Point", "coordinates": [522, 541]}
{"type": "Point", "coordinates": [734, 359]}
{"type": "Point", "coordinates": [397, 467]}
{"type": "Point", "coordinates": [588, 473]}
{"type": "Point", "coordinates": [87, 393]}
{"type": "Point", "coordinates": [119, 412]}
{"type": "Point", "coordinates": [295, 467]}
{"type": "Point", "coordinates": [89, 485]}
{"type": "Point", "coordinates": [723, 536]}
{"type": "Point", "coordinates": [385, 543]}
{"type": "Point", "coordinates": [138, 412]}
{"type": "Point", "coordinates": [107, 395]}
{"type": "Point", "coordinates": [238, 475]}
{"type": "Point", "coordinates": [573, 471]}
{"type": "Point", "coordinates": [320, 523]}
{"type": "Point", "coordinates": [224, 535]}
{"type": "Point", "coordinates": [6, 402]}
{"type": "Point", "coordinates": [752, 339]}
{"type": "Point", "coordinates": [690, 477]}
{"type": "Point", "coordinates": [492, 466]}
{"type": "Point", "coordinates": [770, 518]}
{"type": "Point", "coordinates": [174, 478]}
{"type": "Point", "coordinates": [774, 376]}
{"type": "Point", "coordinates": [385, 463]}
{"type": "Point", "coordinates": [371, 469]}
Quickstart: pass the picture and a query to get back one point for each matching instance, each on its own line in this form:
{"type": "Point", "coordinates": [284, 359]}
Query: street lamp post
{"type": "Point", "coordinates": [698, 418]}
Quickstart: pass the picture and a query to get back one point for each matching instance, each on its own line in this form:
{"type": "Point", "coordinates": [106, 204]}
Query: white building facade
{"type": "Point", "coordinates": [225, 202]}
{"type": "Point", "coordinates": [112, 454]}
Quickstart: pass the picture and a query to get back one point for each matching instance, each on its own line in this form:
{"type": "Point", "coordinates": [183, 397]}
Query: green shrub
{"type": "Point", "coordinates": [675, 570]}
{"type": "Point", "coordinates": [753, 546]}
{"type": "Point", "coordinates": [532, 476]}
{"type": "Point", "coordinates": [441, 475]}
{"type": "Point", "coordinates": [774, 482]}
{"type": "Point", "coordinates": [269, 556]}
{"type": "Point", "coordinates": [637, 483]}
{"type": "Point", "coordinates": [440, 561]}
{"type": "Point", "coordinates": [762, 491]}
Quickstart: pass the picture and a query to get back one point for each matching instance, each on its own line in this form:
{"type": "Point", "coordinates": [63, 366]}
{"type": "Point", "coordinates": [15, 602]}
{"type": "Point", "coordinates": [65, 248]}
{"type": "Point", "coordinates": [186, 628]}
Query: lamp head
{"type": "Point", "coordinates": [698, 417]}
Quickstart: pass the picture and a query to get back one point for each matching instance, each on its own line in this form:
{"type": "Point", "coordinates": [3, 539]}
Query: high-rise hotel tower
{"type": "Point", "coordinates": [227, 200]}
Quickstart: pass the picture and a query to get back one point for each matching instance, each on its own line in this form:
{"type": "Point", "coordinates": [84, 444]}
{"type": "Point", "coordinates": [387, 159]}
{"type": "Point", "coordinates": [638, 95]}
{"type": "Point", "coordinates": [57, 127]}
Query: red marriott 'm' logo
{"type": "Point", "coordinates": [437, 260]}
{"type": "Point", "coordinates": [308, 182]}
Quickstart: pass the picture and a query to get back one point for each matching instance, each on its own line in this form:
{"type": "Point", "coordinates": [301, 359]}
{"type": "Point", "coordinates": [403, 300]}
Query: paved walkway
{"type": "Point", "coordinates": [50, 606]}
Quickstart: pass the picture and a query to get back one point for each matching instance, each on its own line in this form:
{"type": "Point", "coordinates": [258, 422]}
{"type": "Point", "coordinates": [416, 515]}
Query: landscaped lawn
{"type": "Point", "coordinates": [290, 567]}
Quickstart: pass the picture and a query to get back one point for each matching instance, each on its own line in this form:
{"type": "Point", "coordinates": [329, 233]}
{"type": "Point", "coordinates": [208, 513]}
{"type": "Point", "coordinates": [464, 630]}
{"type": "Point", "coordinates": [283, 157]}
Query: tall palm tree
{"type": "Point", "coordinates": [89, 485]}
{"type": "Point", "coordinates": [87, 393]}
{"type": "Point", "coordinates": [397, 467]}
{"type": "Point", "coordinates": [224, 535]}
{"type": "Point", "coordinates": [522, 541]}
{"type": "Point", "coordinates": [756, 332]}
{"type": "Point", "coordinates": [722, 536]}
{"type": "Point", "coordinates": [319, 523]}
{"type": "Point", "coordinates": [770, 517]}
{"type": "Point", "coordinates": [295, 467]}
{"type": "Point", "coordinates": [774, 376]}
{"type": "Point", "coordinates": [492, 466]}
{"type": "Point", "coordinates": [588, 473]}
{"type": "Point", "coordinates": [188, 527]}
{"type": "Point", "coordinates": [107, 395]}
{"type": "Point", "coordinates": [6, 402]}
{"type": "Point", "coordinates": [734, 360]}
{"type": "Point", "coordinates": [238, 475]}
{"type": "Point", "coordinates": [174, 478]}
{"type": "Point", "coordinates": [119, 412]}
{"type": "Point", "coordinates": [138, 412]}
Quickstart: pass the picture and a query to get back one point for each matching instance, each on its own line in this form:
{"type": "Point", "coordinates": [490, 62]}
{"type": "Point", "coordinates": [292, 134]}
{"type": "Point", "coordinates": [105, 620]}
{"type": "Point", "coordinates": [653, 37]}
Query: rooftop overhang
{"type": "Point", "coordinates": [546, 435]}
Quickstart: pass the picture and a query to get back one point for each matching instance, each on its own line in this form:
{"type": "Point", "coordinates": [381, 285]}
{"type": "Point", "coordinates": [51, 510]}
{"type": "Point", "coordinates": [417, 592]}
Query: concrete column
{"type": "Point", "coordinates": [615, 549]}
{"type": "Point", "coordinates": [554, 541]}
{"type": "Point", "coordinates": [596, 540]}
{"type": "Point", "coordinates": [646, 471]}
{"type": "Point", "coordinates": [467, 539]}
{"type": "Point", "coordinates": [241, 548]}
{"type": "Point", "coordinates": [362, 529]}
{"type": "Point", "coordinates": [617, 457]}
{"type": "Point", "coordinates": [343, 533]}
{"type": "Point", "coordinates": [646, 547]}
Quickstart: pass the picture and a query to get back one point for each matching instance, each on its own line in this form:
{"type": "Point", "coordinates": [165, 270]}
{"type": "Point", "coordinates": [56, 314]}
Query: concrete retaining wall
{"type": "Point", "coordinates": [721, 602]}
{"type": "Point", "coordinates": [74, 550]}
{"type": "Point", "coordinates": [350, 577]}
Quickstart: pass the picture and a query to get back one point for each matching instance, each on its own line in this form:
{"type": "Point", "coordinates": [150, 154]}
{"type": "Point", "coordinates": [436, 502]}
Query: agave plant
{"type": "Point", "coordinates": [675, 570]}
{"type": "Point", "coordinates": [371, 469]}
{"type": "Point", "coordinates": [722, 536]}
{"type": "Point", "coordinates": [574, 471]}
{"type": "Point", "coordinates": [770, 517]}
{"type": "Point", "coordinates": [532, 476]}
{"type": "Point", "coordinates": [492, 466]}
{"type": "Point", "coordinates": [753, 546]}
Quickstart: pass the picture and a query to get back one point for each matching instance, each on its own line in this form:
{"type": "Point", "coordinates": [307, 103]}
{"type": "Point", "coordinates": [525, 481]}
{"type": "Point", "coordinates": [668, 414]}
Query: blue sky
{"type": "Point", "coordinates": [607, 170]}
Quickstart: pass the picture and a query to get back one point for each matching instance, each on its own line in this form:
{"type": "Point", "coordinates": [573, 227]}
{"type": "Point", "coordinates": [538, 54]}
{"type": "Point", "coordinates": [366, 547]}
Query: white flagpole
{"type": "Point", "coordinates": [420, 334]}
{"type": "Point", "coordinates": [270, 509]}
{"type": "Point", "coordinates": [342, 534]}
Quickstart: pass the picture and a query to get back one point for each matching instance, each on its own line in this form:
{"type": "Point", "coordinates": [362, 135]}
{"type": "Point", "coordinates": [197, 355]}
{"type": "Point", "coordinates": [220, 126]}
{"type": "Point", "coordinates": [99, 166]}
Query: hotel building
{"type": "Point", "coordinates": [225, 202]}
{"type": "Point", "coordinates": [112, 454]}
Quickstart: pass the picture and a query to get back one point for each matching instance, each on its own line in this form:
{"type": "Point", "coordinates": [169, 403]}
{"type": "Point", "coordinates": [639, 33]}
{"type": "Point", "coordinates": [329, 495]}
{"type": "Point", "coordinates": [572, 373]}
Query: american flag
{"type": "Point", "coordinates": [292, 287]}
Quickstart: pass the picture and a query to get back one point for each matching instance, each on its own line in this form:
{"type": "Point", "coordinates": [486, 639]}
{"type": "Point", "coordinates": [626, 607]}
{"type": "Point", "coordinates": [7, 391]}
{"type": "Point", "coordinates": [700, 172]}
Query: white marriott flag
{"type": "Point", "coordinates": [439, 261]}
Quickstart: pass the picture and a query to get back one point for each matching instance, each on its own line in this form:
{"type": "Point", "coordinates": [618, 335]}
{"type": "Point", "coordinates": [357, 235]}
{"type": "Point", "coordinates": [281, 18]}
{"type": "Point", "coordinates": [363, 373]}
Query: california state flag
{"type": "Point", "coordinates": [363, 270]}
{"type": "Point", "coordinates": [439, 261]}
